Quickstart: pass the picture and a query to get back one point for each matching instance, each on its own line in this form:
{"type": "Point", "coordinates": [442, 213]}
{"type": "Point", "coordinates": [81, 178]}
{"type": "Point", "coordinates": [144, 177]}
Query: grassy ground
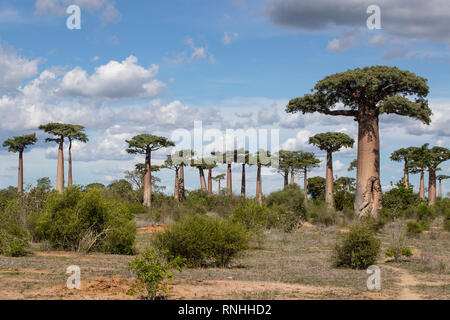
{"type": "Point", "coordinates": [288, 266]}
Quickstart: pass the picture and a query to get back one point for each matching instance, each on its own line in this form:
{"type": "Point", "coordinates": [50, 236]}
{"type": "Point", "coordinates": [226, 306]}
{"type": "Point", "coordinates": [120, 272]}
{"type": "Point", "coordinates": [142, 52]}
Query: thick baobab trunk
{"type": "Point", "coordinates": [432, 187]}
{"type": "Point", "coordinates": [286, 178]}
{"type": "Point", "coordinates": [243, 191]}
{"type": "Point", "coordinates": [368, 187]}
{"type": "Point", "coordinates": [305, 182]}
{"type": "Point", "coordinates": [329, 198]}
{"type": "Point", "coordinates": [440, 189]}
{"type": "Point", "coordinates": [292, 177]}
{"type": "Point", "coordinates": [406, 175]}
{"type": "Point", "coordinates": [422, 185]}
{"type": "Point", "coordinates": [210, 180]}
{"type": "Point", "coordinates": [148, 181]}
{"type": "Point", "coordinates": [20, 179]}
{"type": "Point", "coordinates": [60, 170]}
{"type": "Point", "coordinates": [259, 185]}
{"type": "Point", "coordinates": [69, 174]}
{"type": "Point", "coordinates": [176, 189]}
{"type": "Point", "coordinates": [229, 180]}
{"type": "Point", "coordinates": [181, 197]}
{"type": "Point", "coordinates": [202, 179]}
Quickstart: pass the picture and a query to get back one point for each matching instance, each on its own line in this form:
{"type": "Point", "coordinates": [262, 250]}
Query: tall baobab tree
{"type": "Point", "coordinates": [331, 142]}
{"type": "Point", "coordinates": [183, 158]}
{"type": "Point", "coordinates": [403, 155]}
{"type": "Point", "coordinates": [219, 178]}
{"type": "Point", "coordinates": [418, 164]}
{"type": "Point", "coordinates": [170, 164]}
{"type": "Point", "coordinates": [261, 158]}
{"type": "Point", "coordinates": [440, 178]}
{"type": "Point", "coordinates": [60, 132]}
{"type": "Point", "coordinates": [74, 133]}
{"type": "Point", "coordinates": [242, 156]}
{"type": "Point", "coordinates": [434, 157]}
{"type": "Point", "coordinates": [285, 163]}
{"type": "Point", "coordinates": [367, 93]}
{"type": "Point", "coordinates": [145, 144]}
{"type": "Point", "coordinates": [201, 170]}
{"type": "Point", "coordinates": [210, 165]}
{"type": "Point", "coordinates": [18, 145]}
{"type": "Point", "coordinates": [305, 161]}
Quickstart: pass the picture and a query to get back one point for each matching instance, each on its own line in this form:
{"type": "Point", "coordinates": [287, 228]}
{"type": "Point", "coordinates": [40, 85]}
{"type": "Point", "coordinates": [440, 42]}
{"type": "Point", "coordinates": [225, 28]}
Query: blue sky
{"type": "Point", "coordinates": [156, 66]}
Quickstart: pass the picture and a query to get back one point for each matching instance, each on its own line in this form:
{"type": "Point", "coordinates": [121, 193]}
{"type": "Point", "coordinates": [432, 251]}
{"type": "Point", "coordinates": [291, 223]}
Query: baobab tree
{"type": "Point", "coordinates": [201, 170]}
{"type": "Point", "coordinates": [434, 157]}
{"type": "Point", "coordinates": [305, 161]}
{"type": "Point", "coordinates": [261, 158]}
{"type": "Point", "coordinates": [18, 145]}
{"type": "Point", "coordinates": [183, 158]}
{"type": "Point", "coordinates": [367, 93]}
{"type": "Point", "coordinates": [60, 132]}
{"type": "Point", "coordinates": [331, 142]}
{"type": "Point", "coordinates": [440, 178]}
{"type": "Point", "coordinates": [145, 144]}
{"type": "Point", "coordinates": [243, 157]}
{"type": "Point", "coordinates": [170, 164]}
{"type": "Point", "coordinates": [285, 164]}
{"type": "Point", "coordinates": [418, 164]}
{"type": "Point", "coordinates": [219, 178]}
{"type": "Point", "coordinates": [210, 165]}
{"type": "Point", "coordinates": [74, 133]}
{"type": "Point", "coordinates": [403, 155]}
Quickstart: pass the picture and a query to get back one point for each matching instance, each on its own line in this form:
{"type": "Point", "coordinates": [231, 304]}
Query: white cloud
{"type": "Point", "coordinates": [300, 142]}
{"type": "Point", "coordinates": [114, 80]}
{"type": "Point", "coordinates": [197, 53]}
{"type": "Point", "coordinates": [229, 37]}
{"type": "Point", "coordinates": [338, 165]}
{"type": "Point", "coordinates": [15, 69]}
{"type": "Point", "coordinates": [342, 44]}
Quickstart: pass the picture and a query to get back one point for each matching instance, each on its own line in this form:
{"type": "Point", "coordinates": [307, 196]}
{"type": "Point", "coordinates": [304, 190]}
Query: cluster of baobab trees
{"type": "Point", "coordinates": [362, 94]}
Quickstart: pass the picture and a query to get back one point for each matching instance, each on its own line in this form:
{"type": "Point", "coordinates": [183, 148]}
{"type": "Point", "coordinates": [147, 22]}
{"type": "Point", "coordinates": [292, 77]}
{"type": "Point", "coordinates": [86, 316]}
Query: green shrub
{"type": "Point", "coordinates": [397, 253]}
{"type": "Point", "coordinates": [447, 222]}
{"type": "Point", "coordinates": [425, 212]}
{"type": "Point", "coordinates": [442, 207]}
{"type": "Point", "coordinates": [253, 216]}
{"type": "Point", "coordinates": [359, 249]}
{"type": "Point", "coordinates": [320, 213]}
{"type": "Point", "coordinates": [203, 240]}
{"type": "Point", "coordinates": [153, 272]}
{"type": "Point", "coordinates": [86, 221]}
{"type": "Point", "coordinates": [292, 198]}
{"type": "Point", "coordinates": [400, 198]}
{"type": "Point", "coordinates": [13, 235]}
{"type": "Point", "coordinates": [414, 228]}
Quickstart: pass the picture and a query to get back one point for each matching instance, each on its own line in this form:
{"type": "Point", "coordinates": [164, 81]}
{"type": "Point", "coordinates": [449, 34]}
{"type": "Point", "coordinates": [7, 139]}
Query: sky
{"type": "Point", "coordinates": [157, 66]}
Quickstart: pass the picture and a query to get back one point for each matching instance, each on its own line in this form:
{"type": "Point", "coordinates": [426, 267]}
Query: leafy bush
{"type": "Point", "coordinates": [400, 201]}
{"type": "Point", "coordinates": [425, 212]}
{"type": "Point", "coordinates": [203, 240]}
{"type": "Point", "coordinates": [414, 228]}
{"type": "Point", "coordinates": [442, 207]}
{"type": "Point", "coordinates": [292, 198]}
{"type": "Point", "coordinates": [153, 272]}
{"type": "Point", "coordinates": [253, 216]}
{"type": "Point", "coordinates": [397, 253]}
{"type": "Point", "coordinates": [320, 213]}
{"type": "Point", "coordinates": [359, 249]}
{"type": "Point", "coordinates": [13, 236]}
{"type": "Point", "coordinates": [398, 249]}
{"type": "Point", "coordinates": [86, 221]}
{"type": "Point", "coordinates": [447, 222]}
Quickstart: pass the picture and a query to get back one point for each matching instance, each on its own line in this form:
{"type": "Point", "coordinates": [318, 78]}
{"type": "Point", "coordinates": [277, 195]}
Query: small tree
{"type": "Point", "coordinates": [305, 161]}
{"type": "Point", "coordinates": [440, 178]}
{"type": "Point", "coordinates": [146, 144]}
{"type": "Point", "coordinates": [404, 155]}
{"type": "Point", "coordinates": [170, 164]}
{"type": "Point", "coordinates": [418, 165]}
{"type": "Point", "coordinates": [368, 93]}
{"type": "Point", "coordinates": [331, 142]}
{"type": "Point", "coordinates": [18, 145]}
{"type": "Point", "coordinates": [284, 167]}
{"type": "Point", "coordinates": [261, 158]}
{"type": "Point", "coordinates": [183, 158]}
{"type": "Point", "coordinates": [219, 178]}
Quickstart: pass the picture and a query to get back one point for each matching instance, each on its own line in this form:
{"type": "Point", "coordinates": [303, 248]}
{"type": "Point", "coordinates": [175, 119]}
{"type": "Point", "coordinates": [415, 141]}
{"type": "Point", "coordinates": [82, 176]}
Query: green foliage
{"type": "Point", "coordinates": [153, 272]}
{"type": "Point", "coordinates": [447, 222]}
{"type": "Point", "coordinates": [414, 228]}
{"type": "Point", "coordinates": [13, 235]}
{"type": "Point", "coordinates": [316, 187]}
{"type": "Point", "coordinates": [425, 212]}
{"type": "Point", "coordinates": [400, 202]}
{"type": "Point", "coordinates": [359, 249]}
{"type": "Point", "coordinates": [289, 204]}
{"type": "Point", "coordinates": [320, 213]}
{"type": "Point", "coordinates": [331, 141]}
{"type": "Point", "coordinates": [397, 253]}
{"type": "Point", "coordinates": [86, 221]}
{"type": "Point", "coordinates": [19, 144]}
{"type": "Point", "coordinates": [203, 240]}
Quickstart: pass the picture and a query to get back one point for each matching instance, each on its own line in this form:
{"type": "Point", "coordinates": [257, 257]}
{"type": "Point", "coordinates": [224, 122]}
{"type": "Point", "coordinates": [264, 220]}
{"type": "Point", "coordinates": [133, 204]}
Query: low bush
{"type": "Point", "coordinates": [398, 253]}
{"type": "Point", "coordinates": [203, 240]}
{"type": "Point", "coordinates": [292, 198]}
{"type": "Point", "coordinates": [154, 272]}
{"type": "Point", "coordinates": [447, 222]}
{"type": "Point", "coordinates": [86, 221]}
{"type": "Point", "coordinates": [425, 212]}
{"type": "Point", "coordinates": [320, 213]}
{"type": "Point", "coordinates": [359, 249]}
{"type": "Point", "coordinates": [398, 249]}
{"type": "Point", "coordinates": [414, 228]}
{"type": "Point", "coordinates": [13, 235]}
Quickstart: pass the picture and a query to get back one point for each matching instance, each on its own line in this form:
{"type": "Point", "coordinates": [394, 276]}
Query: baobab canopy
{"type": "Point", "coordinates": [364, 94]}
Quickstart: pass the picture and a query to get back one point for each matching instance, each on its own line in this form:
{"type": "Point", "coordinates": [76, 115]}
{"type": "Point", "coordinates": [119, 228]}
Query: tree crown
{"type": "Point", "coordinates": [377, 89]}
{"type": "Point", "coordinates": [143, 143]}
{"type": "Point", "coordinates": [442, 177]}
{"type": "Point", "coordinates": [403, 154]}
{"type": "Point", "coordinates": [331, 141]}
{"type": "Point", "coordinates": [20, 143]}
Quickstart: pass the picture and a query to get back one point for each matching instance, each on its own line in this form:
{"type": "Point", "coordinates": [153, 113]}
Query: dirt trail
{"type": "Point", "coordinates": [406, 281]}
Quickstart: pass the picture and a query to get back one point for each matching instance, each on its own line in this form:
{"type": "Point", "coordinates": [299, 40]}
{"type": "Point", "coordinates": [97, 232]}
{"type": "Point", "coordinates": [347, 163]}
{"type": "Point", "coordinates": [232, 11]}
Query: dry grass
{"type": "Point", "coordinates": [289, 266]}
